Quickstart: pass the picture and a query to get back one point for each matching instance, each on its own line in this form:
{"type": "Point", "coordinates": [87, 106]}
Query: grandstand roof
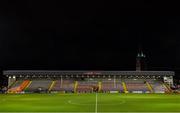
{"type": "Point", "coordinates": [56, 72]}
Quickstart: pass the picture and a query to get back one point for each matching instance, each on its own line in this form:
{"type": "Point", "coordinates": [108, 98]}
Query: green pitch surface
{"type": "Point", "coordinates": [90, 103]}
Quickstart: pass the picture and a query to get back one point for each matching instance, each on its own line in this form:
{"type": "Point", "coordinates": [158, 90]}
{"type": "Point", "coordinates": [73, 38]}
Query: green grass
{"type": "Point", "coordinates": [87, 103]}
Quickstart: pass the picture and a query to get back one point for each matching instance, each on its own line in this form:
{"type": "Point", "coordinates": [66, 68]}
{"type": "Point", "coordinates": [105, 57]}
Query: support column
{"type": "Point", "coordinates": [100, 86]}
{"type": "Point", "coordinates": [114, 81]}
{"type": "Point", "coordinates": [61, 81]}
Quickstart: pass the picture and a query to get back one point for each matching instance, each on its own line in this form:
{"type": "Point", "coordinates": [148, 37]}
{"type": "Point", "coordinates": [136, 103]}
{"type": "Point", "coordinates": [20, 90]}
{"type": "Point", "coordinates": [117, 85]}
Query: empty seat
{"type": "Point", "coordinates": [41, 85]}
{"type": "Point", "coordinates": [111, 85]}
{"type": "Point", "coordinates": [136, 85]}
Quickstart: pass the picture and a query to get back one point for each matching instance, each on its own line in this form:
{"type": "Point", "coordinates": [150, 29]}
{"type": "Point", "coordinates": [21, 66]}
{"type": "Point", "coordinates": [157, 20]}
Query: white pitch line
{"type": "Point", "coordinates": [89, 112]}
{"type": "Point", "coordinates": [96, 104]}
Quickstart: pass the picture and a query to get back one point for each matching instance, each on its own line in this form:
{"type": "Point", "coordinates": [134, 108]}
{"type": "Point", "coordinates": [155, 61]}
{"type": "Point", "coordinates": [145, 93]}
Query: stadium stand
{"type": "Point", "coordinates": [18, 86]}
{"type": "Point", "coordinates": [39, 85]}
{"type": "Point", "coordinates": [136, 85]}
{"type": "Point", "coordinates": [86, 86]}
{"type": "Point", "coordinates": [111, 85]}
{"type": "Point", "coordinates": [67, 85]}
{"type": "Point", "coordinates": [56, 86]}
{"type": "Point", "coordinates": [14, 86]}
{"type": "Point", "coordinates": [87, 82]}
{"type": "Point", "coordinates": [157, 86]}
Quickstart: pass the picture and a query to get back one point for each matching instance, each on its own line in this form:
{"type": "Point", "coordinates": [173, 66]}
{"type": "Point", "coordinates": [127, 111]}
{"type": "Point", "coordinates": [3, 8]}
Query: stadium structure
{"type": "Point", "coordinates": [139, 81]}
{"type": "Point", "coordinates": [89, 81]}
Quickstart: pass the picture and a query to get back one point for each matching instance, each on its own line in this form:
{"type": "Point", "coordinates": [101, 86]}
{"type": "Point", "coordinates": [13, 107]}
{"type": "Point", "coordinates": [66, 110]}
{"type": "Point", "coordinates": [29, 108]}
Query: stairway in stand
{"type": "Point", "coordinates": [149, 87]}
{"type": "Point", "coordinates": [168, 89]}
{"type": "Point", "coordinates": [23, 85]}
{"type": "Point", "coordinates": [125, 88]}
{"type": "Point", "coordinates": [20, 88]}
{"type": "Point", "coordinates": [52, 85]}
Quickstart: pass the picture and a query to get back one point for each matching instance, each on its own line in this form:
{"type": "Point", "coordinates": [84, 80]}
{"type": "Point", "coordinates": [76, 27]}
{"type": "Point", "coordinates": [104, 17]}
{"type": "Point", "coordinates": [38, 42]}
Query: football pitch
{"type": "Point", "coordinates": [94, 103]}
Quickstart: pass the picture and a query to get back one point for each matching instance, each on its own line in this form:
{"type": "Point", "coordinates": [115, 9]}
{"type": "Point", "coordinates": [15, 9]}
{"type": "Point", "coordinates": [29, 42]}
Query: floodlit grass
{"type": "Point", "coordinates": [87, 103]}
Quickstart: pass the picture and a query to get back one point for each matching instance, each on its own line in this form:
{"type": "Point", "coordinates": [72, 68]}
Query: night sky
{"type": "Point", "coordinates": [88, 35]}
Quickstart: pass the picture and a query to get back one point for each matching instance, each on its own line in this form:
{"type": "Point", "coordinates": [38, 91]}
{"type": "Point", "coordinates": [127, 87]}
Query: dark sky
{"type": "Point", "coordinates": [88, 35]}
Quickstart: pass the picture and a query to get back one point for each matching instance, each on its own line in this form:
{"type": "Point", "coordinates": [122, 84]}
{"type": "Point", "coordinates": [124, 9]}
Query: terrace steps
{"type": "Point", "coordinates": [149, 87]}
{"type": "Point", "coordinates": [20, 88]}
{"type": "Point", "coordinates": [52, 85]}
{"type": "Point", "coordinates": [39, 85]}
{"type": "Point", "coordinates": [28, 85]}
{"type": "Point", "coordinates": [75, 86]}
{"type": "Point", "coordinates": [125, 88]}
{"type": "Point", "coordinates": [24, 85]}
{"type": "Point", "coordinates": [14, 86]}
{"type": "Point", "coordinates": [168, 89]}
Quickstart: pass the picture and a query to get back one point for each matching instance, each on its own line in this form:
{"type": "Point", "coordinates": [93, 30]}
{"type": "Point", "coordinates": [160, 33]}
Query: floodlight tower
{"type": "Point", "coordinates": [140, 61]}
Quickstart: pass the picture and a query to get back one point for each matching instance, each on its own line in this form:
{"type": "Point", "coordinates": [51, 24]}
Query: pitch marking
{"type": "Point", "coordinates": [96, 104]}
{"type": "Point", "coordinates": [89, 112]}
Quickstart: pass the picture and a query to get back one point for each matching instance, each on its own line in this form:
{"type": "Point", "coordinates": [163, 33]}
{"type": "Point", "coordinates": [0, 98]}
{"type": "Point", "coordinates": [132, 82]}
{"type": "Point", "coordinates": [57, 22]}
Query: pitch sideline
{"type": "Point", "coordinates": [89, 112]}
{"type": "Point", "coordinates": [96, 104]}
